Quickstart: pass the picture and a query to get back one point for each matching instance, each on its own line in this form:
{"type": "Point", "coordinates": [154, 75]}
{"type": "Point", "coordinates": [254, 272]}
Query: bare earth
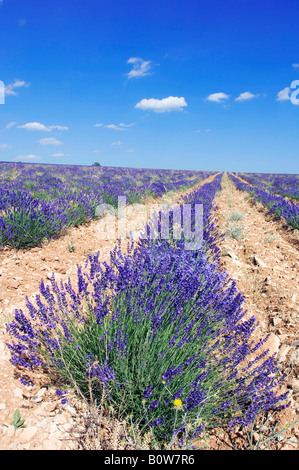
{"type": "Point", "coordinates": [263, 258]}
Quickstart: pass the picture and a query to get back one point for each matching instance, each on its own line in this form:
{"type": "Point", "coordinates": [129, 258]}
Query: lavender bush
{"type": "Point", "coordinates": [158, 332]}
{"type": "Point", "coordinates": [276, 205]}
{"type": "Point", "coordinates": [282, 184]}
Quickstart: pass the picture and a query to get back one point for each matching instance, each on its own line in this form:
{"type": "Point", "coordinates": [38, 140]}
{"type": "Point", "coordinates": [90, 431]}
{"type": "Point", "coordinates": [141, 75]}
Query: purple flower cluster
{"type": "Point", "coordinates": [282, 184]}
{"type": "Point", "coordinates": [275, 203]}
{"type": "Point", "coordinates": [158, 323]}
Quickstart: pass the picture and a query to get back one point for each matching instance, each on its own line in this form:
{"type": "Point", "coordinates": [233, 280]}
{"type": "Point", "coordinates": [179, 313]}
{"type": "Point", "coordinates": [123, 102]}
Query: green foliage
{"type": "Point", "coordinates": [17, 422]}
{"type": "Point", "coordinates": [71, 247]}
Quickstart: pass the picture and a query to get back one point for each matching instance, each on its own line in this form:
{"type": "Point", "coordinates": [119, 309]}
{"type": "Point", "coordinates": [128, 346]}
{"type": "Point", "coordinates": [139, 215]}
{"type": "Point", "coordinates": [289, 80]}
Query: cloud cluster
{"type": "Point", "coordinates": [223, 97]}
{"type": "Point", "coordinates": [10, 124]}
{"type": "Point", "coordinates": [119, 127]}
{"type": "Point", "coordinates": [10, 89]}
{"type": "Point", "coordinates": [50, 141]}
{"type": "Point", "coordinates": [37, 126]}
{"type": "Point", "coordinates": [172, 103]}
{"type": "Point", "coordinates": [217, 97]}
{"type": "Point", "coordinates": [245, 96]}
{"type": "Point", "coordinates": [141, 67]}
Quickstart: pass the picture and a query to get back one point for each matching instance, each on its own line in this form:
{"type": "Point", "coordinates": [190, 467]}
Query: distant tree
{"type": "Point", "coordinates": [96, 164]}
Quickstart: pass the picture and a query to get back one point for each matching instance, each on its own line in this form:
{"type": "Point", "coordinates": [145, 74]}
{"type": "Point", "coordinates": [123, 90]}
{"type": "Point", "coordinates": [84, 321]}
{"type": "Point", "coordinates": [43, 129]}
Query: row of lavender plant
{"type": "Point", "coordinates": [158, 333]}
{"type": "Point", "coordinates": [282, 184]}
{"type": "Point", "coordinates": [39, 202]}
{"type": "Point", "coordinates": [277, 205]}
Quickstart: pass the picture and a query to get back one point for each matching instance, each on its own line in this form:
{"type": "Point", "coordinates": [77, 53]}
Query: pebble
{"type": "Point", "coordinates": [27, 434]}
{"type": "Point", "coordinates": [259, 262]}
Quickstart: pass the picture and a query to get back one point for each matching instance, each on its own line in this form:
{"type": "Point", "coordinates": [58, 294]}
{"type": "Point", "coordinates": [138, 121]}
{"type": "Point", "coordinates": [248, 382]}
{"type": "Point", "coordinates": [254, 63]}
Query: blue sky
{"type": "Point", "coordinates": [203, 85]}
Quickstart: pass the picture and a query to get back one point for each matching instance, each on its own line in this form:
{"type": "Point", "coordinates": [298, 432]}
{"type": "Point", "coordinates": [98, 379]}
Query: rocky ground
{"type": "Point", "coordinates": [260, 253]}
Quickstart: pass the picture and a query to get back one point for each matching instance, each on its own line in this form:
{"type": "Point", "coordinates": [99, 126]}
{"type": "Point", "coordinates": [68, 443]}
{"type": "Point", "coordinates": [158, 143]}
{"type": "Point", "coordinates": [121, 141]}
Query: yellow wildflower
{"type": "Point", "coordinates": [178, 402]}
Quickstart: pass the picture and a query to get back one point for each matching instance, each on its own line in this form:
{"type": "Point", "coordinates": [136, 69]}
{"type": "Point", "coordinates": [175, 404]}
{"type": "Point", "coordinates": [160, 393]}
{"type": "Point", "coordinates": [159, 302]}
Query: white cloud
{"type": "Point", "coordinates": [116, 143]}
{"type": "Point", "coordinates": [22, 21]}
{"type": "Point", "coordinates": [172, 103]}
{"type": "Point", "coordinates": [127, 125]}
{"type": "Point", "coordinates": [96, 151]}
{"type": "Point", "coordinates": [59, 128]}
{"type": "Point", "coordinates": [245, 96]}
{"type": "Point", "coordinates": [26, 158]}
{"type": "Point", "coordinates": [61, 155]}
{"type": "Point", "coordinates": [296, 66]}
{"type": "Point", "coordinates": [217, 97]}
{"type": "Point", "coordinates": [50, 141]}
{"type": "Point", "coordinates": [115, 128]}
{"type": "Point", "coordinates": [37, 126]}
{"type": "Point", "coordinates": [10, 124]}
{"type": "Point", "coordinates": [141, 67]}
{"type": "Point", "coordinates": [10, 89]}
{"type": "Point", "coordinates": [131, 150]}
{"type": "Point", "coordinates": [34, 126]}
{"type": "Point", "coordinates": [120, 127]}
{"type": "Point", "coordinates": [5, 146]}
{"type": "Point", "coordinates": [283, 95]}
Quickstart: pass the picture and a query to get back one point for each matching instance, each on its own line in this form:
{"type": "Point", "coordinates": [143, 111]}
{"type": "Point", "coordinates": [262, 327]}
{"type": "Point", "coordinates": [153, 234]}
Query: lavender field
{"type": "Point", "coordinates": [38, 202]}
{"type": "Point", "coordinates": [278, 193]}
{"type": "Point", "coordinates": [159, 334]}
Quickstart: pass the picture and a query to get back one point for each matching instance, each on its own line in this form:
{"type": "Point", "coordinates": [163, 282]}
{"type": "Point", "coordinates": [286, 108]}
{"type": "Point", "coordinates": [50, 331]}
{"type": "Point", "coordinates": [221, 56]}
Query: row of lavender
{"type": "Point", "coordinates": [281, 184]}
{"type": "Point", "coordinates": [276, 205]}
{"type": "Point", "coordinates": [158, 334]}
{"type": "Point", "coordinates": [39, 202]}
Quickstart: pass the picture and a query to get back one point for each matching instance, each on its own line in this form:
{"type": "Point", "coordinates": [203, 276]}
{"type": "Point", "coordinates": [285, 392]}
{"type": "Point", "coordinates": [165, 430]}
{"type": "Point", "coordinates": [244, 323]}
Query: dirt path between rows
{"type": "Point", "coordinates": [49, 424]}
{"type": "Point", "coordinates": [259, 254]}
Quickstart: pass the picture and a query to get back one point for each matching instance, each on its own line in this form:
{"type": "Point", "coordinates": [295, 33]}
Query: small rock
{"type": "Point", "coordinates": [294, 384]}
{"type": "Point", "coordinates": [14, 283]}
{"type": "Point", "coordinates": [276, 321]}
{"type": "Point", "coordinates": [61, 419]}
{"type": "Point", "coordinates": [273, 344]}
{"type": "Point", "coordinates": [18, 393]}
{"type": "Point", "coordinates": [257, 261]}
{"type": "Point", "coordinates": [71, 409]}
{"type": "Point", "coordinates": [38, 397]}
{"type": "Point", "coordinates": [27, 434]}
{"type": "Point", "coordinates": [283, 351]}
{"type": "Point", "coordinates": [51, 444]}
{"type": "Point", "coordinates": [256, 437]}
{"type": "Point", "coordinates": [294, 359]}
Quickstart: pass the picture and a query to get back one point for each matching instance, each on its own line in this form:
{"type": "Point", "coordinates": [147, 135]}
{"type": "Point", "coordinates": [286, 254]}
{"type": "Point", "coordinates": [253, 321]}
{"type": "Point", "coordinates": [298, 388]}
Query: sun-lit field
{"type": "Point", "coordinates": [159, 333]}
